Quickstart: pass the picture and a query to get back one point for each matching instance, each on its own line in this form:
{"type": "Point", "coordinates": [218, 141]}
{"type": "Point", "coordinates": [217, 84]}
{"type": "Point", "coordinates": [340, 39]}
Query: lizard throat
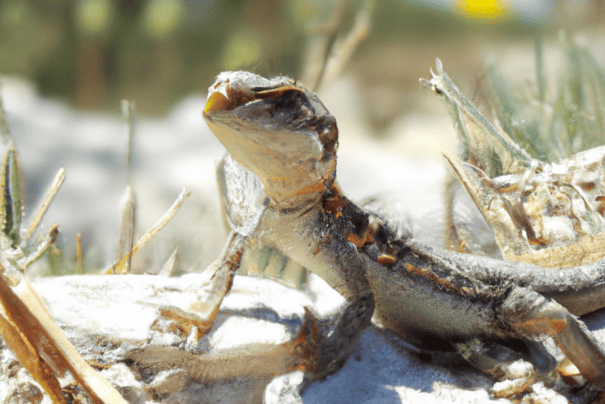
{"type": "Point", "coordinates": [293, 199]}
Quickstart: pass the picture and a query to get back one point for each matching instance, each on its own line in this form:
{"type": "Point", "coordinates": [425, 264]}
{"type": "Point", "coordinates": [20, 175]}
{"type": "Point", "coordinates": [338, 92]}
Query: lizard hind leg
{"type": "Point", "coordinates": [533, 316]}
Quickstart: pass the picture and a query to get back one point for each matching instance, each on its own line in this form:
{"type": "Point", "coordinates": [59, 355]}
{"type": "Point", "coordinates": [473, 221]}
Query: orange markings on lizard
{"type": "Point", "coordinates": [364, 238]}
{"type": "Point", "coordinates": [367, 238]}
{"type": "Point", "coordinates": [334, 203]}
{"type": "Point", "coordinates": [309, 189]}
{"type": "Point", "coordinates": [430, 275]}
{"type": "Point", "coordinates": [386, 259]}
{"type": "Point", "coordinates": [306, 344]}
{"type": "Point", "coordinates": [546, 326]}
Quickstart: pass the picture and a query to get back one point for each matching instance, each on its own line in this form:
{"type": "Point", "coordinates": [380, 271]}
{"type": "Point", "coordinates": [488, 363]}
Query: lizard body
{"type": "Point", "coordinates": [433, 298]}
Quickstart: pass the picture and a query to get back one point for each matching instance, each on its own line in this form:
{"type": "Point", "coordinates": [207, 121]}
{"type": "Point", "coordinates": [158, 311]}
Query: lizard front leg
{"type": "Point", "coordinates": [533, 316]}
{"type": "Point", "coordinates": [334, 343]}
{"type": "Point", "coordinates": [220, 279]}
{"type": "Point", "coordinates": [340, 262]}
{"type": "Point", "coordinates": [221, 272]}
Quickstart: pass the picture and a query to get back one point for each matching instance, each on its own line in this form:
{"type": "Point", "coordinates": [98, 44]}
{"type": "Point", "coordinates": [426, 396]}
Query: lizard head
{"type": "Point", "coordinates": [276, 128]}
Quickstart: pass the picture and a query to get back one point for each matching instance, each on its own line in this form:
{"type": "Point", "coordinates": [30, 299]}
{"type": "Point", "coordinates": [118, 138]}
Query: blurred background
{"type": "Point", "coordinates": [67, 64]}
{"type": "Point", "coordinates": [92, 53]}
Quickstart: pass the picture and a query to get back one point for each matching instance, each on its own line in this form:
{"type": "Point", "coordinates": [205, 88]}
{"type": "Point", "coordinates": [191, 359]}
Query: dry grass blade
{"type": "Point", "coordinates": [129, 114]}
{"type": "Point", "coordinates": [318, 46]}
{"type": "Point", "coordinates": [128, 207]}
{"type": "Point", "coordinates": [170, 264]}
{"type": "Point", "coordinates": [50, 196]}
{"type": "Point", "coordinates": [50, 240]}
{"type": "Point", "coordinates": [128, 204]}
{"type": "Point", "coordinates": [79, 254]}
{"type": "Point", "coordinates": [493, 149]}
{"type": "Point", "coordinates": [31, 333]}
{"type": "Point", "coordinates": [452, 237]}
{"type": "Point", "coordinates": [119, 267]}
{"type": "Point", "coordinates": [344, 47]}
{"type": "Point", "coordinates": [25, 324]}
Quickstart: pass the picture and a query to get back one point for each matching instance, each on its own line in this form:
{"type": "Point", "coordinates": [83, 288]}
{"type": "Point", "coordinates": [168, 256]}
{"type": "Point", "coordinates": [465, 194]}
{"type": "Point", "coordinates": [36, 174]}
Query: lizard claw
{"type": "Point", "coordinates": [533, 316]}
{"type": "Point", "coordinates": [327, 348]}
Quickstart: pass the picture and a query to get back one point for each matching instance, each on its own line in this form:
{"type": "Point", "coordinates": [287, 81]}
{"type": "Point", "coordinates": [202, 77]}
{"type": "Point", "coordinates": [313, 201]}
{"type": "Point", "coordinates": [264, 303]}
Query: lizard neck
{"type": "Point", "coordinates": [300, 186]}
{"type": "Point", "coordinates": [288, 198]}
{"type": "Point", "coordinates": [296, 178]}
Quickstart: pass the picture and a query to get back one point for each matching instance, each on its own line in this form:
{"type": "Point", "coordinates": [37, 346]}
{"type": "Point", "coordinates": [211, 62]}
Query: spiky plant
{"type": "Point", "coordinates": [535, 172]}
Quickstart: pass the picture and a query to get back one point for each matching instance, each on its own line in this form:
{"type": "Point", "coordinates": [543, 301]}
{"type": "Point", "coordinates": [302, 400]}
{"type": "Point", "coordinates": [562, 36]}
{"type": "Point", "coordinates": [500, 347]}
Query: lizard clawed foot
{"type": "Point", "coordinates": [496, 358]}
{"type": "Point", "coordinates": [322, 347]}
{"type": "Point", "coordinates": [218, 282]}
{"type": "Point", "coordinates": [515, 363]}
{"type": "Point", "coordinates": [533, 316]}
{"type": "Point", "coordinates": [327, 348]}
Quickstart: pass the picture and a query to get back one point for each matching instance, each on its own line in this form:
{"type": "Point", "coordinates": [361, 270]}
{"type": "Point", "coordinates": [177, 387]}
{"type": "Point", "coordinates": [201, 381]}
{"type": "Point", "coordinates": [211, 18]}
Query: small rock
{"type": "Point", "coordinates": [543, 395]}
{"type": "Point", "coordinates": [284, 389]}
{"type": "Point", "coordinates": [508, 388]}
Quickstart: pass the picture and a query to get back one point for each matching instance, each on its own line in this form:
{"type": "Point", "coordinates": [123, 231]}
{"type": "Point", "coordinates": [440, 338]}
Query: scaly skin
{"type": "Point", "coordinates": [433, 298]}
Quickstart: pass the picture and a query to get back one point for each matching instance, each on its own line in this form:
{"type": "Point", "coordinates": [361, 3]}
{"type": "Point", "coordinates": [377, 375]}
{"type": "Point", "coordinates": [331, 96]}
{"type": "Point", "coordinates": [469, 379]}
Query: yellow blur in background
{"type": "Point", "coordinates": [92, 53]}
{"type": "Point", "coordinates": [484, 9]}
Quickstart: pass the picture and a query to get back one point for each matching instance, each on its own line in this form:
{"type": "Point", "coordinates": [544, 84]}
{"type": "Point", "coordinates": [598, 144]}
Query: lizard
{"type": "Point", "coordinates": [280, 171]}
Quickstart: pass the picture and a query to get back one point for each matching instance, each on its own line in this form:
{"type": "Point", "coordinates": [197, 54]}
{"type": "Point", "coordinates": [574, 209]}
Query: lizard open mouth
{"type": "Point", "coordinates": [231, 91]}
{"type": "Point", "coordinates": [287, 106]}
{"type": "Point", "coordinates": [218, 102]}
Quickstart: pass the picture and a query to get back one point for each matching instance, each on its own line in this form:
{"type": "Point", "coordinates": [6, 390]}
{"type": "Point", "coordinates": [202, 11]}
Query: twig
{"type": "Point", "coordinates": [166, 217]}
{"type": "Point", "coordinates": [50, 195]}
